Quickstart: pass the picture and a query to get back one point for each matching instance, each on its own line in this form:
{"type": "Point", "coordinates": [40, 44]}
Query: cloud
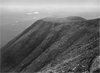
{"type": "Point", "coordinates": [17, 21]}
{"type": "Point", "coordinates": [36, 12]}
{"type": "Point", "coordinates": [49, 1]}
{"type": "Point", "coordinates": [29, 5]}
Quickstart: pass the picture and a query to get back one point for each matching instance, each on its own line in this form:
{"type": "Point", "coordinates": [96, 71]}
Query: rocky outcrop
{"type": "Point", "coordinates": [63, 45]}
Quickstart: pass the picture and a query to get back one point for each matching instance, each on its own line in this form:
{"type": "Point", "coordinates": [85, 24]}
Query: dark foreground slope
{"type": "Point", "coordinates": [67, 45]}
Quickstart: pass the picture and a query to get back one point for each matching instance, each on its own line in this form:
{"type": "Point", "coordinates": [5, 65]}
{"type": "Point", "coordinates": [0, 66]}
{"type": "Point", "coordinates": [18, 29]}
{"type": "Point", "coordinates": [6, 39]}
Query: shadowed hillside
{"type": "Point", "coordinates": [54, 45]}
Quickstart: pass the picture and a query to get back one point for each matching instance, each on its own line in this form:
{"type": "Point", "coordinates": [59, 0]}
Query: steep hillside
{"type": "Point", "coordinates": [60, 45]}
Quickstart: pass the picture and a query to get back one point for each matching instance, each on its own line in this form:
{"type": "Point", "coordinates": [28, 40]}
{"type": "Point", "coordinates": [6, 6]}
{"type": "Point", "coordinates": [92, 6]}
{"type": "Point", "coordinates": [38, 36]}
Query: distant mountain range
{"type": "Point", "coordinates": [54, 45]}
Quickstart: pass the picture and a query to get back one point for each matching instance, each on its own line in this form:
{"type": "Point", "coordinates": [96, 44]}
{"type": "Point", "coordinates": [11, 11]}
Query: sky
{"type": "Point", "coordinates": [82, 5]}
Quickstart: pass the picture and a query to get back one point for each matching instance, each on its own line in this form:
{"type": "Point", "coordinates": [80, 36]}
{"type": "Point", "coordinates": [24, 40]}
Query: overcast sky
{"type": "Point", "coordinates": [76, 4]}
{"type": "Point", "coordinates": [50, 1]}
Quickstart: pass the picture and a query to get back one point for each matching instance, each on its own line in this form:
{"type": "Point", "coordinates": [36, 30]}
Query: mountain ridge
{"type": "Point", "coordinates": [65, 19]}
{"type": "Point", "coordinates": [46, 45]}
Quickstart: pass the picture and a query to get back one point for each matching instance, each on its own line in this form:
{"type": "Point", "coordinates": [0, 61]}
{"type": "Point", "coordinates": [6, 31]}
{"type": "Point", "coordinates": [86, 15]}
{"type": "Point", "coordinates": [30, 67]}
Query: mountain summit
{"type": "Point", "coordinates": [54, 45]}
{"type": "Point", "coordinates": [66, 19]}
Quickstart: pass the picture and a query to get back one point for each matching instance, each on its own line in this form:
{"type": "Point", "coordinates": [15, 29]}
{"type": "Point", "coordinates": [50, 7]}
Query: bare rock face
{"type": "Point", "coordinates": [95, 68]}
{"type": "Point", "coordinates": [50, 45]}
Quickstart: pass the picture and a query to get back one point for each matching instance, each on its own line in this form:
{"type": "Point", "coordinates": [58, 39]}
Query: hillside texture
{"type": "Point", "coordinates": [64, 45]}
